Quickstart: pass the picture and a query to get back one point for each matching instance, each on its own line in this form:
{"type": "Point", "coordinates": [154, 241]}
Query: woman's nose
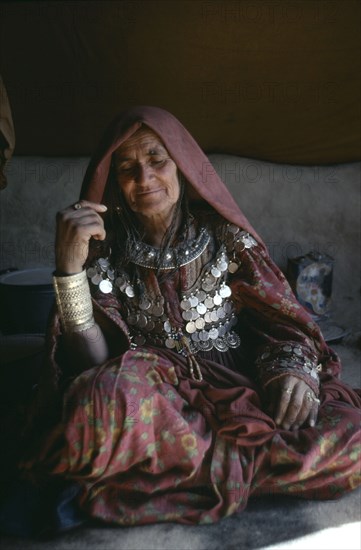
{"type": "Point", "coordinates": [144, 173]}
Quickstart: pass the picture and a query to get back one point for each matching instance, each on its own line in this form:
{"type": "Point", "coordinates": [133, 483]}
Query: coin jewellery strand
{"type": "Point", "coordinates": [207, 309]}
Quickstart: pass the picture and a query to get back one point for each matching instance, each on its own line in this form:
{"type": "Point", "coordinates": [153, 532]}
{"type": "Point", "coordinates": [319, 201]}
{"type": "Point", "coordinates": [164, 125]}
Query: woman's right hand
{"type": "Point", "coordinates": [74, 229]}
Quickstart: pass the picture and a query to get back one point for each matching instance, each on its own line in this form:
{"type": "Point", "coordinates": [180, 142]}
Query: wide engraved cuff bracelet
{"type": "Point", "coordinates": [74, 303]}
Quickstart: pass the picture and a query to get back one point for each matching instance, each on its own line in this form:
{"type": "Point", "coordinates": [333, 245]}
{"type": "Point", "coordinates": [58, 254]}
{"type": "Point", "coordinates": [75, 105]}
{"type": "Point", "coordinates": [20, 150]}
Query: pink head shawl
{"type": "Point", "coordinates": [202, 178]}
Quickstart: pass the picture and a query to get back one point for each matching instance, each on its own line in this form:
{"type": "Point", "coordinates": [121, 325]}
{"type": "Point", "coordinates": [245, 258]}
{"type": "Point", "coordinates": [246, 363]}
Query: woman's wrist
{"type": "Point", "coordinates": [60, 273]}
{"type": "Point", "coordinates": [65, 268]}
{"type": "Point", "coordinates": [288, 359]}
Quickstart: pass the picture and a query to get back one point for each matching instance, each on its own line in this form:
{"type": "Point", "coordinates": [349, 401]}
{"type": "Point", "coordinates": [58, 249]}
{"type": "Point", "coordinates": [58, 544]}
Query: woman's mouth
{"type": "Point", "coordinates": [148, 192]}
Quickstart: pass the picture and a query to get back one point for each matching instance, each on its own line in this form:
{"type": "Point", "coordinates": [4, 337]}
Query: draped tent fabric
{"type": "Point", "coordinates": [7, 133]}
{"type": "Point", "coordinates": [267, 79]}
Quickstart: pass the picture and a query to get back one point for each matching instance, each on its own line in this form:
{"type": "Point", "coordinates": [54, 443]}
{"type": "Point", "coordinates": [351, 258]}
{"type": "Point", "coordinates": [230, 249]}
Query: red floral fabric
{"type": "Point", "coordinates": [147, 443]}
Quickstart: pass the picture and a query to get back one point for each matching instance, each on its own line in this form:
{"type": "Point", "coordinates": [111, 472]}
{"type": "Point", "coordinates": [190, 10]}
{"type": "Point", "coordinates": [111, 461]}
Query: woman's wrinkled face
{"type": "Point", "coordinates": [146, 175]}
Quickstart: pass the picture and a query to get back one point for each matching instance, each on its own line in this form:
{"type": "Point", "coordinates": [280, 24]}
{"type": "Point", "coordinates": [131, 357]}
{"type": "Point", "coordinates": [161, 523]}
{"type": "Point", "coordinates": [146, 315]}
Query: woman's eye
{"type": "Point", "coordinates": [130, 169]}
{"type": "Point", "coordinates": [124, 169]}
{"type": "Point", "coordinates": [157, 161]}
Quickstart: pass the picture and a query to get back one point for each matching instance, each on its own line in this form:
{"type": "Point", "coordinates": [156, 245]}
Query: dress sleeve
{"type": "Point", "coordinates": [278, 334]}
{"type": "Point", "coordinates": [56, 371]}
{"type": "Point", "coordinates": [108, 309]}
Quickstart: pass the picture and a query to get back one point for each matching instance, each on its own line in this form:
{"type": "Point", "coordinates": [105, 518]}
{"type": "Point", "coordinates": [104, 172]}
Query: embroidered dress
{"type": "Point", "coordinates": [149, 442]}
{"type": "Point", "coordinates": [175, 426]}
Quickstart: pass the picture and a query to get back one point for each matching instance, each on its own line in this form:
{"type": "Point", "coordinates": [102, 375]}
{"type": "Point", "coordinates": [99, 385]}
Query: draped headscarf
{"type": "Point", "coordinates": [203, 181]}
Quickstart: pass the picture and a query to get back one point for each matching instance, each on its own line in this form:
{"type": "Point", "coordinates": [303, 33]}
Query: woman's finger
{"type": "Point", "coordinates": [86, 219]}
{"type": "Point", "coordinates": [75, 228]}
{"type": "Point", "coordinates": [78, 214]}
{"type": "Point", "coordinates": [80, 209]}
{"type": "Point", "coordinates": [72, 222]}
{"type": "Point", "coordinates": [312, 417]}
{"type": "Point", "coordinates": [283, 400]}
{"type": "Point", "coordinates": [304, 412]}
{"type": "Point", "coordinates": [294, 408]}
{"type": "Point", "coordinates": [90, 228]}
{"type": "Point", "coordinates": [88, 204]}
{"type": "Point", "coordinates": [309, 410]}
{"type": "Point", "coordinates": [293, 402]}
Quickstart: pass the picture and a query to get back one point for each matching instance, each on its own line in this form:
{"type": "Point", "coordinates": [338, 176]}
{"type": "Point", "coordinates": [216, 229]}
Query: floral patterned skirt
{"type": "Point", "coordinates": [146, 443]}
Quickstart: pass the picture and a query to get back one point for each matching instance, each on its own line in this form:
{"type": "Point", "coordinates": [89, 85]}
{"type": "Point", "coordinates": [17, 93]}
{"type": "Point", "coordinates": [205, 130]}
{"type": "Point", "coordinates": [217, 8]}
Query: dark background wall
{"type": "Point", "coordinates": [276, 80]}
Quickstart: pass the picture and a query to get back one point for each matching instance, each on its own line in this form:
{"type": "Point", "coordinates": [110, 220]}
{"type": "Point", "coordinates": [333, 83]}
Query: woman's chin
{"type": "Point", "coordinates": [153, 207]}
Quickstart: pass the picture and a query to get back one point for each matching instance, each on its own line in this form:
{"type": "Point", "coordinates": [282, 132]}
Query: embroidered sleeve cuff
{"type": "Point", "coordinates": [288, 359]}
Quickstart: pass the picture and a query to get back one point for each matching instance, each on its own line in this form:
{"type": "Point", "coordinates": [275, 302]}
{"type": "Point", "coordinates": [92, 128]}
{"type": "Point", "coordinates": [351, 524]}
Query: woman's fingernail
{"type": "Point", "coordinates": [103, 207]}
{"type": "Point", "coordinates": [312, 423]}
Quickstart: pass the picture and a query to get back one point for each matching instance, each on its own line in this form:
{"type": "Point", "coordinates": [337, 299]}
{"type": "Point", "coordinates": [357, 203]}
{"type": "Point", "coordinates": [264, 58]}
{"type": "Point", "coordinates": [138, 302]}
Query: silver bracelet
{"type": "Point", "coordinates": [74, 303]}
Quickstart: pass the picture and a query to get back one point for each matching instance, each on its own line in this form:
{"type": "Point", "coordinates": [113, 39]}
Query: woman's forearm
{"type": "Point", "coordinates": [84, 341]}
{"type": "Point", "coordinates": [86, 349]}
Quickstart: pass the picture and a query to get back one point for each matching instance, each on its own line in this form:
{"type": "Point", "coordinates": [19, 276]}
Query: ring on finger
{"type": "Point", "coordinates": [77, 206]}
{"type": "Point", "coordinates": [309, 396]}
{"type": "Point", "coordinates": [317, 401]}
{"type": "Point", "coordinates": [288, 390]}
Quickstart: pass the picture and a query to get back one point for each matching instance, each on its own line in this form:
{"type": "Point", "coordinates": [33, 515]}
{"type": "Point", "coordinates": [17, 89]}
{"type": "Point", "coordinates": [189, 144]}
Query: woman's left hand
{"type": "Point", "coordinates": [292, 403]}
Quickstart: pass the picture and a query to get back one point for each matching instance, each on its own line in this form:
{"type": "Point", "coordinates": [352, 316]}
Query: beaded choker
{"type": "Point", "coordinates": [184, 253]}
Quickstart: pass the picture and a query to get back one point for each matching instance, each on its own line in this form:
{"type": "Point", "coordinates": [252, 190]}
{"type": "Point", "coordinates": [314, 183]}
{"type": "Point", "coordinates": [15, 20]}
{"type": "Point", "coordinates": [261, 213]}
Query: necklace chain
{"type": "Point", "coordinates": [184, 253]}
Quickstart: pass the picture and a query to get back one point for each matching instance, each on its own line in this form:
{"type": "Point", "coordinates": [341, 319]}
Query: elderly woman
{"type": "Point", "coordinates": [190, 378]}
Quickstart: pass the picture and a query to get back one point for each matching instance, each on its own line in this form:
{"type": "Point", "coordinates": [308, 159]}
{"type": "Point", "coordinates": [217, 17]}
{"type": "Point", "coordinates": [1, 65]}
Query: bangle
{"type": "Point", "coordinates": [74, 303]}
{"type": "Point", "coordinates": [289, 358]}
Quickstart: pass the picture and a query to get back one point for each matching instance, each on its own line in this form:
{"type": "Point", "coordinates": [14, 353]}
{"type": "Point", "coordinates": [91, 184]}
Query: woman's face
{"type": "Point", "coordinates": [146, 175]}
